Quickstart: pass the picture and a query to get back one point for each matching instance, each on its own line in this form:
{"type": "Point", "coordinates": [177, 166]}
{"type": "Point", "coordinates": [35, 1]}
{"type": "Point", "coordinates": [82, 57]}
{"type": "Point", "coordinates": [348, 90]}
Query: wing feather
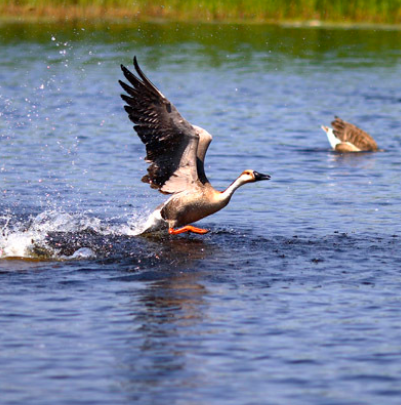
{"type": "Point", "coordinates": [171, 141]}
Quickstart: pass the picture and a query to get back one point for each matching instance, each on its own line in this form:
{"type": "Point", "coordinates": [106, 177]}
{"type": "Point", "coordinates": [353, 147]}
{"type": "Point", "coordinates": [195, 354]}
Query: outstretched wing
{"type": "Point", "coordinates": [347, 132]}
{"type": "Point", "coordinates": [171, 141]}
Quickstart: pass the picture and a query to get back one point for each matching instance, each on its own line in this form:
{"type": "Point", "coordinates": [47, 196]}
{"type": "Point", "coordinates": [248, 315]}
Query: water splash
{"type": "Point", "coordinates": [38, 237]}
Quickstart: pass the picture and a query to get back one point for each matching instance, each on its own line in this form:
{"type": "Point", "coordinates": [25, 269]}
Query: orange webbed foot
{"type": "Point", "coordinates": [188, 228]}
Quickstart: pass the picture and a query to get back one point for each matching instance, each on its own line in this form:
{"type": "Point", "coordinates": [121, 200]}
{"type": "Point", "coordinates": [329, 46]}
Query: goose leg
{"type": "Point", "coordinates": [188, 228]}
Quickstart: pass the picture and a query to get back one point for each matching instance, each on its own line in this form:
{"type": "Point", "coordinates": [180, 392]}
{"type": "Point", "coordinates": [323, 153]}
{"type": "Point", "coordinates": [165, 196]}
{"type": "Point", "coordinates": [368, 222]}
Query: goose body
{"type": "Point", "coordinates": [346, 137]}
{"type": "Point", "coordinates": [176, 152]}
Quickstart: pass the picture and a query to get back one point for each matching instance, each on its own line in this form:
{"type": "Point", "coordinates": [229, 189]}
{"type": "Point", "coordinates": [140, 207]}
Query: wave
{"type": "Point", "coordinates": [55, 235]}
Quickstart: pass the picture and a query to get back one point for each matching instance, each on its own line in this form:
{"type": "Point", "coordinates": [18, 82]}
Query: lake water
{"type": "Point", "coordinates": [294, 295]}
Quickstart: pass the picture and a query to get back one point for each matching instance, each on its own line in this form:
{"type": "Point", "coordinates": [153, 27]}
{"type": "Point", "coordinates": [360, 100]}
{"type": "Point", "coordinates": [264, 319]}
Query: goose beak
{"type": "Point", "coordinates": [260, 176]}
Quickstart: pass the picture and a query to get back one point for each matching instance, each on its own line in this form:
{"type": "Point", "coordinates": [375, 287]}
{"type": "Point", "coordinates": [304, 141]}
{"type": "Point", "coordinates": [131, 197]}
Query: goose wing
{"type": "Point", "coordinates": [171, 141]}
{"type": "Point", "coordinates": [204, 141]}
{"type": "Point", "coordinates": [347, 132]}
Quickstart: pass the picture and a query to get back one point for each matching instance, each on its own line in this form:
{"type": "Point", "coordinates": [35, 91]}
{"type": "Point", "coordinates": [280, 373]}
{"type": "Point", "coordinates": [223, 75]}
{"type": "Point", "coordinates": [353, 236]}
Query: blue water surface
{"type": "Point", "coordinates": [292, 298]}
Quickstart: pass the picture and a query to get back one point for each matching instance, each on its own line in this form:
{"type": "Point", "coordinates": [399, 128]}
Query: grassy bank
{"type": "Point", "coordinates": [369, 11]}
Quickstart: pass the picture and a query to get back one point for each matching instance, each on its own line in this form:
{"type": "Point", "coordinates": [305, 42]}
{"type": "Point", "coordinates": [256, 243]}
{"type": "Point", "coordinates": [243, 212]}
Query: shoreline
{"type": "Point", "coordinates": [316, 24]}
{"type": "Point", "coordinates": [137, 14]}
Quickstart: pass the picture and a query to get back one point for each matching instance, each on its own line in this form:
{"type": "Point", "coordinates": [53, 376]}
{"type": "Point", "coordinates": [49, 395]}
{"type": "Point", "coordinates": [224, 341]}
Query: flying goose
{"type": "Point", "coordinates": [345, 137]}
{"type": "Point", "coordinates": [175, 151]}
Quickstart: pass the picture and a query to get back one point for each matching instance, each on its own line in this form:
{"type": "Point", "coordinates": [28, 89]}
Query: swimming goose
{"type": "Point", "coordinates": [345, 137]}
{"type": "Point", "coordinates": [175, 151]}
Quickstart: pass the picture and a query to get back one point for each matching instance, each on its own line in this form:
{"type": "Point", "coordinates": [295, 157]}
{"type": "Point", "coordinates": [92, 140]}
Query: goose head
{"type": "Point", "coordinates": [251, 176]}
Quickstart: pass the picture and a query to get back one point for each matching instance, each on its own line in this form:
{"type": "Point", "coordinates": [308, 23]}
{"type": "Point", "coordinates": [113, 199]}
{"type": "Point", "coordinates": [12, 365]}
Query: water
{"type": "Point", "coordinates": [293, 297]}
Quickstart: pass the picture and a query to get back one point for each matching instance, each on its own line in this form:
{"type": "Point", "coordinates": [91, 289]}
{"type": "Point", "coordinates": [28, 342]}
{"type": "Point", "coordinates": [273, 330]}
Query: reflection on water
{"type": "Point", "coordinates": [172, 309]}
{"type": "Point", "coordinates": [362, 160]}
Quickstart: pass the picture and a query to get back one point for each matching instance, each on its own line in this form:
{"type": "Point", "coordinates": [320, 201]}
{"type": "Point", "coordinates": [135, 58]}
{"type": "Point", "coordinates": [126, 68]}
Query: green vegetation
{"type": "Point", "coordinates": [370, 11]}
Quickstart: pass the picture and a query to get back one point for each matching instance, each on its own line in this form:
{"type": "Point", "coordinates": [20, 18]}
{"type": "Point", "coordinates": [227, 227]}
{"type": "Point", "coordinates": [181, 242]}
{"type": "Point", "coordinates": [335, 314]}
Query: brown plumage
{"type": "Point", "coordinates": [175, 151]}
{"type": "Point", "coordinates": [347, 132]}
{"type": "Point", "coordinates": [346, 137]}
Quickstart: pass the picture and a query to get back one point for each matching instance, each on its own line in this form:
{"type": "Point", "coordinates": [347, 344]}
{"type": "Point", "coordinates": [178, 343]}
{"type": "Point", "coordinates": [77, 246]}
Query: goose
{"type": "Point", "coordinates": [346, 137]}
{"type": "Point", "coordinates": [175, 152]}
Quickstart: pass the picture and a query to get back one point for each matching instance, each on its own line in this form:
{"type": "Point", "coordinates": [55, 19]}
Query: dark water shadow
{"type": "Point", "coordinates": [312, 150]}
{"type": "Point", "coordinates": [221, 255]}
{"type": "Point", "coordinates": [133, 252]}
{"type": "Point", "coordinates": [181, 251]}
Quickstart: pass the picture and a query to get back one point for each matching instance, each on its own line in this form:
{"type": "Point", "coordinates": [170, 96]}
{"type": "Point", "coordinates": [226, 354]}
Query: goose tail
{"type": "Point", "coordinates": [154, 223]}
{"type": "Point", "coordinates": [331, 137]}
